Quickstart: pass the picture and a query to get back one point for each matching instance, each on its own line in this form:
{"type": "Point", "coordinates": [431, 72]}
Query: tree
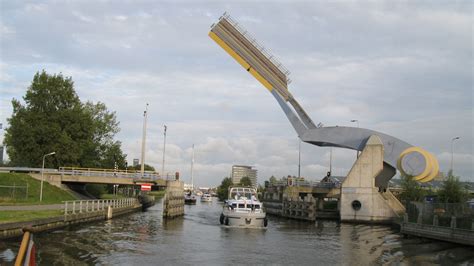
{"type": "Point", "coordinates": [452, 191]}
{"type": "Point", "coordinates": [245, 181]}
{"type": "Point", "coordinates": [412, 190]}
{"type": "Point", "coordinates": [139, 167]}
{"type": "Point", "coordinates": [54, 119]}
{"type": "Point", "coordinates": [223, 189]}
{"type": "Point", "coordinates": [273, 180]}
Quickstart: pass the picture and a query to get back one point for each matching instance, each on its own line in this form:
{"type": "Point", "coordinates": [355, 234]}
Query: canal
{"type": "Point", "coordinates": [197, 238]}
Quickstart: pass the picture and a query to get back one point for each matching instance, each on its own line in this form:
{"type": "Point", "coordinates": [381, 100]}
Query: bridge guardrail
{"type": "Point", "coordinates": [85, 206]}
{"type": "Point", "coordinates": [108, 173]}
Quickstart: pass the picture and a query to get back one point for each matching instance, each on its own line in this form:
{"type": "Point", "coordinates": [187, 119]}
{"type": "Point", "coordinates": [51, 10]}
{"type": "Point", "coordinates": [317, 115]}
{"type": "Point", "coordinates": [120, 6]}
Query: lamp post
{"type": "Point", "coordinates": [164, 151]}
{"type": "Point", "coordinates": [299, 158]}
{"type": "Point", "coordinates": [330, 161]}
{"type": "Point", "coordinates": [145, 114]}
{"type": "Point", "coordinates": [452, 153]}
{"type": "Point", "coordinates": [42, 174]}
{"type": "Point", "coordinates": [356, 121]}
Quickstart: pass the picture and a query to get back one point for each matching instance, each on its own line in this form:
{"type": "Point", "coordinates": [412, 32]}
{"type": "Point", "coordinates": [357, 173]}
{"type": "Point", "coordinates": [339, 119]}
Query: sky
{"type": "Point", "coordinates": [404, 68]}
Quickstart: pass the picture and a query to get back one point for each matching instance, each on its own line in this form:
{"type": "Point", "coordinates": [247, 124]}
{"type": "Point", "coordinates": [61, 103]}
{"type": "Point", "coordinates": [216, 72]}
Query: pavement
{"type": "Point", "coordinates": [42, 207]}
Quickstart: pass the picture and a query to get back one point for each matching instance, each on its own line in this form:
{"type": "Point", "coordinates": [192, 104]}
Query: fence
{"type": "Point", "coordinates": [13, 193]}
{"type": "Point", "coordinates": [85, 206]}
{"type": "Point", "coordinates": [455, 215]}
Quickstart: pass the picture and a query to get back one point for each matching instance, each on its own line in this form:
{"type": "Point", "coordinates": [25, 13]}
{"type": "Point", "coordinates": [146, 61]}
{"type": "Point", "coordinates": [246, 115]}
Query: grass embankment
{"type": "Point", "coordinates": [30, 196]}
{"type": "Point", "coordinates": [23, 216]}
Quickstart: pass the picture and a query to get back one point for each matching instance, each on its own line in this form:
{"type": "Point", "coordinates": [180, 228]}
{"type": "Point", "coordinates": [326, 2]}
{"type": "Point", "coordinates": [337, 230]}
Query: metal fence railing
{"type": "Point", "coordinates": [85, 206]}
{"type": "Point", "coordinates": [14, 192]}
{"type": "Point", "coordinates": [108, 173]}
{"type": "Point", "coordinates": [456, 215]}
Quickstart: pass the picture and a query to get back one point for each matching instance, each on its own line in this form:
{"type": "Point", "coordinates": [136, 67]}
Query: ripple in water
{"type": "Point", "coordinates": [197, 238]}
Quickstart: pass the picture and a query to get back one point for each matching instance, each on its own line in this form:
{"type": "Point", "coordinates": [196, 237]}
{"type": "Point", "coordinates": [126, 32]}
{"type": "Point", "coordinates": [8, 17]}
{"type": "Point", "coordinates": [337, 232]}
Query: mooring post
{"type": "Point", "coordinates": [109, 212]}
{"type": "Point", "coordinates": [453, 222]}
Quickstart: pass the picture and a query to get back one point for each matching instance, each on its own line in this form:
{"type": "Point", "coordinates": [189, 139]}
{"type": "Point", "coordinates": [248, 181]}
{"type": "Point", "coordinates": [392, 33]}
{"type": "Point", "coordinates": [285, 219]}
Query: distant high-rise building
{"type": "Point", "coordinates": [239, 171]}
{"type": "Point", "coordinates": [136, 162]}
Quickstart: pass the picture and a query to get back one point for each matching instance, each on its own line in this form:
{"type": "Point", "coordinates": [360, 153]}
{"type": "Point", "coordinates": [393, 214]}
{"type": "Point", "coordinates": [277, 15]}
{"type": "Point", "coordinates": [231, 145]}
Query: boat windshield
{"type": "Point", "coordinates": [240, 192]}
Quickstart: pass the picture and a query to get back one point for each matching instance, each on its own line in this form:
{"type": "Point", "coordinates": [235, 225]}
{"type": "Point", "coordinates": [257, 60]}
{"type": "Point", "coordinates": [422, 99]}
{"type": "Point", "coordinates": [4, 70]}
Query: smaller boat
{"type": "Point", "coordinates": [206, 197]}
{"type": "Point", "coordinates": [190, 198]}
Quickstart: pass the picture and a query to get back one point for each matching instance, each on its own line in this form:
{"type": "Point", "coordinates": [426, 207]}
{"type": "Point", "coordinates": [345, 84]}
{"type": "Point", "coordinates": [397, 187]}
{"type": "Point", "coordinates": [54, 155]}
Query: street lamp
{"type": "Point", "coordinates": [452, 153]}
{"type": "Point", "coordinates": [164, 151]}
{"type": "Point", "coordinates": [145, 114]}
{"type": "Point", "coordinates": [356, 121]}
{"type": "Point", "coordinates": [42, 174]}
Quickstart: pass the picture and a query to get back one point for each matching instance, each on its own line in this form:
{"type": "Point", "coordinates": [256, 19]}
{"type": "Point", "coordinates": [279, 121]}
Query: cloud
{"type": "Point", "coordinates": [402, 69]}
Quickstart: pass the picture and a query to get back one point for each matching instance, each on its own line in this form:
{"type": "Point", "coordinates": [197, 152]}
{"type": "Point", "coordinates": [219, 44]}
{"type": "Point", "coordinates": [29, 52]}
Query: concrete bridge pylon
{"type": "Point", "coordinates": [361, 200]}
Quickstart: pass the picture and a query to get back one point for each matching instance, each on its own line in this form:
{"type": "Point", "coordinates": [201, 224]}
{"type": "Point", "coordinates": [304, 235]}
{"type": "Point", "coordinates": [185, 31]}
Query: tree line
{"type": "Point", "coordinates": [54, 119]}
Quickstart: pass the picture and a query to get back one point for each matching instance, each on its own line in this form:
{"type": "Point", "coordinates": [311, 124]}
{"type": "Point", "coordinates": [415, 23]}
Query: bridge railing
{"type": "Point", "coordinates": [108, 173]}
{"type": "Point", "coordinates": [86, 206]}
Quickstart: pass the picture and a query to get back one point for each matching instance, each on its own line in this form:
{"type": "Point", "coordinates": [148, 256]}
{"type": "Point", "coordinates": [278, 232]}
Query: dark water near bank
{"type": "Point", "coordinates": [197, 238]}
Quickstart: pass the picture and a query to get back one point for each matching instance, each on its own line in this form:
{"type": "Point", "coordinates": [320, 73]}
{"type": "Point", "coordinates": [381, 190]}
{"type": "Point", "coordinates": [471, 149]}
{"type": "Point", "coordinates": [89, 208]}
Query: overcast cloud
{"type": "Point", "coordinates": [402, 68]}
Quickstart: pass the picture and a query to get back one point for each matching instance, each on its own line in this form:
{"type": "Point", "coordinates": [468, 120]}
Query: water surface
{"type": "Point", "coordinates": [144, 238]}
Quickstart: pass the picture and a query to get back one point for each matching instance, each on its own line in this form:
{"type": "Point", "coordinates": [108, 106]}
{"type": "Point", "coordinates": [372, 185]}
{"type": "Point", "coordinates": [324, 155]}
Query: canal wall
{"type": "Point", "coordinates": [75, 212]}
{"type": "Point", "coordinates": [173, 202]}
{"type": "Point", "coordinates": [288, 202]}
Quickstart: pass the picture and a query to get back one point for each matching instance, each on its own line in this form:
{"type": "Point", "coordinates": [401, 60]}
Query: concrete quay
{"type": "Point", "coordinates": [95, 210]}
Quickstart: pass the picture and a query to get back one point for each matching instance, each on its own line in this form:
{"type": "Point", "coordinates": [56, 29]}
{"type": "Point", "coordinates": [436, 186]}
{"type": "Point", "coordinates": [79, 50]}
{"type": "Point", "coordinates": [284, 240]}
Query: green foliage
{"type": "Point", "coordinates": [245, 181]}
{"type": "Point", "coordinates": [223, 189]}
{"type": "Point", "coordinates": [54, 119]}
{"type": "Point", "coordinates": [139, 167]}
{"type": "Point", "coordinates": [96, 190]}
{"type": "Point", "coordinates": [412, 190]}
{"type": "Point", "coordinates": [452, 191]}
{"type": "Point", "coordinates": [272, 180]}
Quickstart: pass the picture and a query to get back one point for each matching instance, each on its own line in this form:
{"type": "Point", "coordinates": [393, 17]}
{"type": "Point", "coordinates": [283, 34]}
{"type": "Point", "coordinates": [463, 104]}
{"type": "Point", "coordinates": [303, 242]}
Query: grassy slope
{"type": "Point", "coordinates": [51, 194]}
{"type": "Point", "coordinates": [23, 216]}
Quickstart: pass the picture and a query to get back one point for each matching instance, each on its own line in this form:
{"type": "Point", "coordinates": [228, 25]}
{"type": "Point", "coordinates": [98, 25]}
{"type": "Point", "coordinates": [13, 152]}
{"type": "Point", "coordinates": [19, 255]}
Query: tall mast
{"type": "Point", "coordinates": [192, 173]}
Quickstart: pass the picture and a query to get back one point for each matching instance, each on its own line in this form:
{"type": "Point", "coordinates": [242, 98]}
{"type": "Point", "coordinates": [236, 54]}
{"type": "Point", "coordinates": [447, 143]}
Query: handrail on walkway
{"type": "Point", "coordinates": [87, 206]}
{"type": "Point", "coordinates": [108, 173]}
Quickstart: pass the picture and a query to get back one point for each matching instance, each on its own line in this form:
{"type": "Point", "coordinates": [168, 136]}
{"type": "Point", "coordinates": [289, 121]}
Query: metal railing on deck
{"type": "Point", "coordinates": [85, 206]}
{"type": "Point", "coordinates": [108, 173]}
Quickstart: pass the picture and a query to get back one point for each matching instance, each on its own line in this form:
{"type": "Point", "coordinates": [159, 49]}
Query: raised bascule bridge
{"type": "Point", "coordinates": [363, 194]}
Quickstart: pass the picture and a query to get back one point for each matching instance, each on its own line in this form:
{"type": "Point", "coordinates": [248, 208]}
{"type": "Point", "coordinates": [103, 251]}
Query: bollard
{"type": "Point", "coordinates": [74, 207]}
{"type": "Point", "coordinates": [87, 205]}
{"type": "Point", "coordinates": [80, 206]}
{"type": "Point", "coordinates": [453, 222]}
{"type": "Point", "coordinates": [65, 208]}
{"type": "Point", "coordinates": [109, 212]}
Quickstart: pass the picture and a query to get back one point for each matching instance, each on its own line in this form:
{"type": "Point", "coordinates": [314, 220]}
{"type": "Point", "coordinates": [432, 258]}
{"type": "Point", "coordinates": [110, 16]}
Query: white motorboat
{"type": "Point", "coordinates": [206, 197]}
{"type": "Point", "coordinates": [190, 198]}
{"type": "Point", "coordinates": [243, 209]}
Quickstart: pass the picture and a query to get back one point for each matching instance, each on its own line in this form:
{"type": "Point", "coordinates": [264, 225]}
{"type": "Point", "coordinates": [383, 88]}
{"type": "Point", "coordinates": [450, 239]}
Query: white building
{"type": "Point", "coordinates": [240, 171]}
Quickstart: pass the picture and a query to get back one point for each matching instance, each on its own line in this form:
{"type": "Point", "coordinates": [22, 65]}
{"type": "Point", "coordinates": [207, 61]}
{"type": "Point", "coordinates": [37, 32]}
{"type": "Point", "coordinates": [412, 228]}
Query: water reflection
{"type": "Point", "coordinates": [197, 238]}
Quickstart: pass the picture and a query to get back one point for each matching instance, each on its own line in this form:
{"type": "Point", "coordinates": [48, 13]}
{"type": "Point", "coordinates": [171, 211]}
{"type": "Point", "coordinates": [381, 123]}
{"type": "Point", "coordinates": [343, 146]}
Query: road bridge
{"type": "Point", "coordinates": [65, 175]}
